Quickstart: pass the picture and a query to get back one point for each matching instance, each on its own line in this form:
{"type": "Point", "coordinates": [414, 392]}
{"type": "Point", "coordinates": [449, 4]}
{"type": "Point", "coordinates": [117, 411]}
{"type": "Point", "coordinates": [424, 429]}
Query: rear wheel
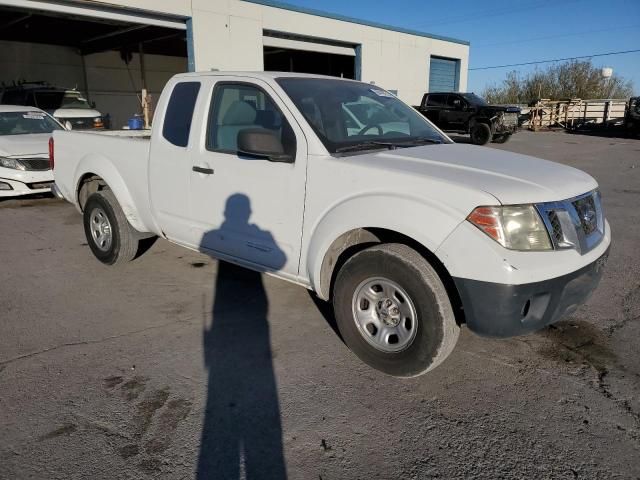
{"type": "Point", "coordinates": [393, 311]}
{"type": "Point", "coordinates": [480, 134]}
{"type": "Point", "coordinates": [109, 235]}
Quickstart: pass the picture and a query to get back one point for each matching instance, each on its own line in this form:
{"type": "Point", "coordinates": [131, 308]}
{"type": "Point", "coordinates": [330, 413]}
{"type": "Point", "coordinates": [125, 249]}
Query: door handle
{"type": "Point", "coordinates": [206, 171]}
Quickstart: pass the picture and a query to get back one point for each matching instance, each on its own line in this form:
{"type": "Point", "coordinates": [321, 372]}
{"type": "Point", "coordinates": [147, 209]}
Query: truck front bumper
{"type": "Point", "coordinates": [501, 129]}
{"type": "Point", "coordinates": [502, 310]}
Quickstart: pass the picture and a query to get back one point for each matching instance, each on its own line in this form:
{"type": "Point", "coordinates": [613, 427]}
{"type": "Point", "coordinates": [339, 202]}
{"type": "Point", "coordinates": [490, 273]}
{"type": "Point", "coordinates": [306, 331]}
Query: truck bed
{"type": "Point", "coordinates": [120, 157]}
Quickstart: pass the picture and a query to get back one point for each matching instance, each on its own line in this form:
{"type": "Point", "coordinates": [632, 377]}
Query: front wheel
{"type": "Point", "coordinates": [480, 134]}
{"type": "Point", "coordinates": [393, 311]}
{"type": "Point", "coordinates": [109, 235]}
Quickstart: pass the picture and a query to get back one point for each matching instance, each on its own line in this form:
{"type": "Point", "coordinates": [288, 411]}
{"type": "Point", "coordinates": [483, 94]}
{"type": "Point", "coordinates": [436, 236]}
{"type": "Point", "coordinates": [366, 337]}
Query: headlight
{"type": "Point", "coordinates": [11, 163]}
{"type": "Point", "coordinates": [517, 227]}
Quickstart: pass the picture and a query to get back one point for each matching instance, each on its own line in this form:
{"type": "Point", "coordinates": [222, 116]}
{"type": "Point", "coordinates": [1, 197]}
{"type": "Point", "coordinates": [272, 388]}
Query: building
{"type": "Point", "coordinates": [111, 50]}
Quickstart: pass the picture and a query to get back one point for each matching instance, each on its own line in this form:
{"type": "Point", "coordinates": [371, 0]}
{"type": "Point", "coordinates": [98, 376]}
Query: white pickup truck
{"type": "Point", "coordinates": [338, 186]}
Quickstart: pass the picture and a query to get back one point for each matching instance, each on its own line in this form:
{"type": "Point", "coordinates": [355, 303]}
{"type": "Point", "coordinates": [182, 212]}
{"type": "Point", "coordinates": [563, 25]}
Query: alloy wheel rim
{"type": "Point", "coordinates": [384, 314]}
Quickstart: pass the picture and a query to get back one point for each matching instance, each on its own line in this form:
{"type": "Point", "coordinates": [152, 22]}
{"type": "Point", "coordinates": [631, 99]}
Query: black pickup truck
{"type": "Point", "coordinates": [632, 115]}
{"type": "Point", "coordinates": [470, 114]}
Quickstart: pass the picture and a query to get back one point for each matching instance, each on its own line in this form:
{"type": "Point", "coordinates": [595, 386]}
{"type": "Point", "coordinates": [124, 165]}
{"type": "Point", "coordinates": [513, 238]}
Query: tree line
{"type": "Point", "coordinates": [572, 79]}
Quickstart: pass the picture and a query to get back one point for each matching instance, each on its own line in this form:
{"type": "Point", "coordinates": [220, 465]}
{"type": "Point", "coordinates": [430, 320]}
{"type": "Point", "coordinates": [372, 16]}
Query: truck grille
{"type": "Point", "coordinates": [576, 223]}
{"type": "Point", "coordinates": [81, 123]}
{"type": "Point", "coordinates": [35, 163]}
{"type": "Point", "coordinates": [556, 227]}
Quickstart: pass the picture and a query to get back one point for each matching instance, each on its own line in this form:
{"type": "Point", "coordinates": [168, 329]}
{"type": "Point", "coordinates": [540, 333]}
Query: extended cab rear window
{"type": "Point", "coordinates": [179, 114]}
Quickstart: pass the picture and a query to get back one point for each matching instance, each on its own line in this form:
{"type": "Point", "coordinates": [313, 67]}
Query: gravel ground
{"type": "Point", "coordinates": [120, 372]}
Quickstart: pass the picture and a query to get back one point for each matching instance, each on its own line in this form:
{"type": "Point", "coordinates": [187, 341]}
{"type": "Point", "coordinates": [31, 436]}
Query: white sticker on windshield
{"type": "Point", "coordinates": [33, 116]}
{"type": "Point", "coordinates": [381, 93]}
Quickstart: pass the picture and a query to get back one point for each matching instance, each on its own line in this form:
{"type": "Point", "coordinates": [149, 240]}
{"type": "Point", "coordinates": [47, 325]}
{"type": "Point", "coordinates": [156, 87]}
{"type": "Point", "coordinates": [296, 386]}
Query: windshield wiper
{"type": "Point", "coordinates": [366, 146]}
{"type": "Point", "coordinates": [419, 141]}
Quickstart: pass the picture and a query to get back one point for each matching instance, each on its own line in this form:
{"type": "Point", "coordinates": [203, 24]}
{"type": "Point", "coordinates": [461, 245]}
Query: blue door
{"type": "Point", "coordinates": [444, 74]}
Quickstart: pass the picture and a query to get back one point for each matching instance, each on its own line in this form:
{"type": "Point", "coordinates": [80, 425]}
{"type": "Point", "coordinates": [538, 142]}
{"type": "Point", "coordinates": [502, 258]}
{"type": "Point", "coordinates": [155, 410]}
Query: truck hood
{"type": "Point", "coordinates": [24, 145]}
{"type": "Point", "coordinates": [63, 113]}
{"type": "Point", "coordinates": [510, 177]}
{"type": "Point", "coordinates": [501, 108]}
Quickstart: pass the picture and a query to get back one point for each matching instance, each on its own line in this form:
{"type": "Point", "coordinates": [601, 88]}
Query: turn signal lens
{"type": "Point", "coordinates": [488, 220]}
{"type": "Point", "coordinates": [517, 227]}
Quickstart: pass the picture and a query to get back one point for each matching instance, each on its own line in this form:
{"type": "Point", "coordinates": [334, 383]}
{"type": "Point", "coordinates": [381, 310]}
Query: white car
{"type": "Point", "coordinates": [408, 234]}
{"type": "Point", "coordinates": [24, 150]}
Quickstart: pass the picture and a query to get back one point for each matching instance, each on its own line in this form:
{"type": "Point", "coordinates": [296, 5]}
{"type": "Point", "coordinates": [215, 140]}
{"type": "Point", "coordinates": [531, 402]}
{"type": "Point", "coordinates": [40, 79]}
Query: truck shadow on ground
{"type": "Point", "coordinates": [577, 342]}
{"type": "Point", "coordinates": [242, 432]}
{"type": "Point", "coordinates": [613, 132]}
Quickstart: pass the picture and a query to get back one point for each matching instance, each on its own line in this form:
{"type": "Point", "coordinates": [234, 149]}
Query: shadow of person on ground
{"type": "Point", "coordinates": [242, 433]}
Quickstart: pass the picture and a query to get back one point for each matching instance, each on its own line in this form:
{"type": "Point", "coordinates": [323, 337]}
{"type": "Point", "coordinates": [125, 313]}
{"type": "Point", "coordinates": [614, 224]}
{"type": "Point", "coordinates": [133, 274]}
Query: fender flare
{"type": "Point", "coordinates": [403, 214]}
{"type": "Point", "coordinates": [99, 165]}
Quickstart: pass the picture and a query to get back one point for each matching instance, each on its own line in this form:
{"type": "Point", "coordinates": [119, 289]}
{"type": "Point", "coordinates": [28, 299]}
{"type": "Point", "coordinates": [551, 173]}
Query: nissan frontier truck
{"type": "Point", "coordinates": [408, 234]}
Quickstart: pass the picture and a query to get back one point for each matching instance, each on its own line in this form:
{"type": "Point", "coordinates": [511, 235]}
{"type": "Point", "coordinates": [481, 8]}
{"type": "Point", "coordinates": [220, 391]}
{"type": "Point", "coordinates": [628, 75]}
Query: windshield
{"type": "Point", "coordinates": [475, 99]}
{"type": "Point", "coordinates": [23, 123]}
{"type": "Point", "coordinates": [348, 114]}
{"type": "Point", "coordinates": [61, 99]}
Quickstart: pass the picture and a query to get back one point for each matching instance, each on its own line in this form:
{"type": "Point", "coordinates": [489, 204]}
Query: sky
{"type": "Point", "coordinates": [514, 31]}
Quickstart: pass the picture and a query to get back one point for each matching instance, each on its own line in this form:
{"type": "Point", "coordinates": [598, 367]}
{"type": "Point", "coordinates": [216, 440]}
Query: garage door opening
{"type": "Point", "coordinates": [107, 60]}
{"type": "Point", "coordinates": [286, 60]}
{"type": "Point", "coordinates": [285, 52]}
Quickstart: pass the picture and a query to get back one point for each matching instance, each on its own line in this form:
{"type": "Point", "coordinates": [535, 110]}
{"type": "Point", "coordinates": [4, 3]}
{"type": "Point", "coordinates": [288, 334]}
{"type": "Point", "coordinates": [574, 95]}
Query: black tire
{"type": "Point", "coordinates": [502, 138]}
{"type": "Point", "coordinates": [436, 328]}
{"type": "Point", "coordinates": [480, 134]}
{"type": "Point", "coordinates": [123, 244]}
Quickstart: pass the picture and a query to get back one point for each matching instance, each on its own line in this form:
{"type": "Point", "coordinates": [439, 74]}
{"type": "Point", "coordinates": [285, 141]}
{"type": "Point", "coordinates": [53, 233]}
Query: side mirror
{"type": "Point", "coordinates": [68, 125]}
{"type": "Point", "coordinates": [93, 105]}
{"type": "Point", "coordinates": [262, 143]}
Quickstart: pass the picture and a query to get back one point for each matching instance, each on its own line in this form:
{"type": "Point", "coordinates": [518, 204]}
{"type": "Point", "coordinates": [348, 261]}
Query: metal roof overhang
{"type": "Point", "coordinates": [98, 10]}
{"type": "Point", "coordinates": [91, 28]}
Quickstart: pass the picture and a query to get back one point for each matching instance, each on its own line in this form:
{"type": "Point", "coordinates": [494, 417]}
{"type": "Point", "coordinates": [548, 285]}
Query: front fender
{"type": "Point", "coordinates": [102, 167]}
{"type": "Point", "coordinates": [428, 223]}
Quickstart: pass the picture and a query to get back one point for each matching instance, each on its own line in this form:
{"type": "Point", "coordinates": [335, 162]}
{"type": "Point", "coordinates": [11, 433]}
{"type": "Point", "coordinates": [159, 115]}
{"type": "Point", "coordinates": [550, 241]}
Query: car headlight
{"type": "Point", "coordinates": [517, 227]}
{"type": "Point", "coordinates": [11, 163]}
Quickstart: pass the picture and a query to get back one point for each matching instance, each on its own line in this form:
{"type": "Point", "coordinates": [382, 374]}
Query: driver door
{"type": "Point", "coordinates": [456, 112]}
{"type": "Point", "coordinates": [248, 209]}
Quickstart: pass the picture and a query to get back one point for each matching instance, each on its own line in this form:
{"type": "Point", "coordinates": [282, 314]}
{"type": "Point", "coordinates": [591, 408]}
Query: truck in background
{"type": "Point", "coordinates": [467, 113]}
{"type": "Point", "coordinates": [68, 106]}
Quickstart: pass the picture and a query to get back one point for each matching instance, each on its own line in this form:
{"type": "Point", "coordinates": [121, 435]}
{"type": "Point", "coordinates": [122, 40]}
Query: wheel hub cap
{"type": "Point", "coordinates": [100, 229]}
{"type": "Point", "coordinates": [388, 312]}
{"type": "Point", "coordinates": [384, 314]}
